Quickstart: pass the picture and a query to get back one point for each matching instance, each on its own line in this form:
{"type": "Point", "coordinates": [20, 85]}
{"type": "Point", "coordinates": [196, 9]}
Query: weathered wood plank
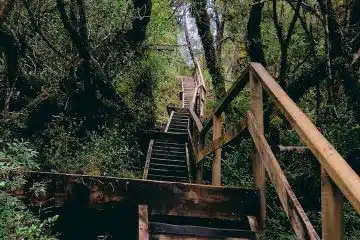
{"type": "Point", "coordinates": [331, 204]}
{"type": "Point", "coordinates": [202, 82]}
{"type": "Point", "coordinates": [224, 140]}
{"type": "Point", "coordinates": [193, 115]}
{"type": "Point", "coordinates": [169, 121]}
{"type": "Point", "coordinates": [340, 172]}
{"type": "Point", "coordinates": [196, 120]}
{"type": "Point", "coordinates": [143, 222]}
{"type": "Point", "coordinates": [188, 162]}
{"type": "Point", "coordinates": [233, 92]}
{"type": "Point", "coordinates": [299, 221]}
{"type": "Point", "coordinates": [215, 233]}
{"type": "Point", "coordinates": [148, 157]}
{"type": "Point", "coordinates": [256, 106]}
{"type": "Point", "coordinates": [175, 237]}
{"type": "Point", "coordinates": [159, 135]}
{"type": "Point", "coordinates": [161, 197]}
{"type": "Point", "coordinates": [200, 166]}
{"type": "Point", "coordinates": [216, 163]}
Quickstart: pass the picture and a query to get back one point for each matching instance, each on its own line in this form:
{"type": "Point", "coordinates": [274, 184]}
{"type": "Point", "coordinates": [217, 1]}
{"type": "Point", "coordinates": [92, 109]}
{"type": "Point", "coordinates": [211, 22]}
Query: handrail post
{"type": "Point", "coordinates": [200, 166]}
{"type": "Point", "coordinates": [256, 93]}
{"type": "Point", "coordinates": [216, 164]}
{"type": "Point", "coordinates": [331, 207]}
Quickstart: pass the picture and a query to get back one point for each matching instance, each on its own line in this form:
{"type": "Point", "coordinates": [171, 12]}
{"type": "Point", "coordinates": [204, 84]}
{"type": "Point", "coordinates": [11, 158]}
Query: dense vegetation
{"type": "Point", "coordinates": [81, 80]}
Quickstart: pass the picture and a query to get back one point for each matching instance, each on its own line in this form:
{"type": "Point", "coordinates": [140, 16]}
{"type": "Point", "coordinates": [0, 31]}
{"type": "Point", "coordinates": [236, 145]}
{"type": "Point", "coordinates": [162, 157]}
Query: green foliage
{"type": "Point", "coordinates": [16, 222]}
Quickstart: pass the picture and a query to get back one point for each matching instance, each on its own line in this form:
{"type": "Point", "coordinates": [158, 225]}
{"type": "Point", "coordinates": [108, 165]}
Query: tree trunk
{"type": "Point", "coordinates": [188, 42]}
{"type": "Point", "coordinates": [254, 40]}
{"type": "Point", "coordinates": [340, 60]}
{"type": "Point", "coordinates": [203, 24]}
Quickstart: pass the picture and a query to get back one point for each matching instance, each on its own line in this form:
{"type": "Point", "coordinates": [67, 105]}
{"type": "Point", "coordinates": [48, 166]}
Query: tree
{"type": "Point", "coordinates": [203, 24]}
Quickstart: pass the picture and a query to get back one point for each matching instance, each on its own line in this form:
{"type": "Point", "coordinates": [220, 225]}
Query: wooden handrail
{"type": "Point", "coordinates": [233, 92]}
{"type": "Point", "coordinates": [193, 115]}
{"type": "Point", "coordinates": [224, 140]}
{"type": "Point", "coordinates": [296, 214]}
{"type": "Point", "coordinates": [340, 172]}
{"type": "Point", "coordinates": [202, 82]}
{"type": "Point", "coordinates": [200, 87]}
{"type": "Point", "coordinates": [148, 157]}
{"type": "Point", "coordinates": [334, 167]}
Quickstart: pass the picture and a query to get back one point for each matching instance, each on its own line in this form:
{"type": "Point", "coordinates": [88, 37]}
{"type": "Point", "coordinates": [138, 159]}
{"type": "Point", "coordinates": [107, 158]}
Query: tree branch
{"type": "Point", "coordinates": [38, 30]}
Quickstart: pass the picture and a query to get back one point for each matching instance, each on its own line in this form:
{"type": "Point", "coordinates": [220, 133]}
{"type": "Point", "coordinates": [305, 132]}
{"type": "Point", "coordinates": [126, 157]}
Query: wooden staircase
{"type": "Point", "coordinates": [165, 204]}
{"type": "Point", "coordinates": [168, 160]}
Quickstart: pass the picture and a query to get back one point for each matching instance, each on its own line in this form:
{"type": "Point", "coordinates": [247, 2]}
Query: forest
{"type": "Point", "coordinates": [81, 81]}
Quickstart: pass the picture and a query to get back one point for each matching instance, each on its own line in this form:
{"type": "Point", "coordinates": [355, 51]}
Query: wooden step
{"type": "Point", "coordinates": [177, 125]}
{"type": "Point", "coordinates": [169, 155]}
{"type": "Point", "coordinates": [177, 130]}
{"type": "Point", "coordinates": [211, 233]}
{"type": "Point", "coordinates": [161, 165]}
{"type": "Point", "coordinates": [172, 144]}
{"type": "Point", "coordinates": [167, 178]}
{"type": "Point", "coordinates": [180, 147]}
{"type": "Point", "coordinates": [176, 152]}
{"type": "Point", "coordinates": [180, 128]}
{"type": "Point", "coordinates": [201, 221]}
{"type": "Point", "coordinates": [168, 172]}
{"type": "Point", "coordinates": [168, 161]}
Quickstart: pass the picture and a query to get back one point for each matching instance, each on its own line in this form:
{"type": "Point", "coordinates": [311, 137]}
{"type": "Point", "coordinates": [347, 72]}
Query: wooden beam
{"type": "Point", "coordinates": [166, 198]}
{"type": "Point", "coordinates": [143, 222]}
{"type": "Point", "coordinates": [202, 82]}
{"type": "Point", "coordinates": [256, 106]}
{"type": "Point", "coordinates": [199, 231]}
{"type": "Point", "coordinates": [188, 162]}
{"type": "Point", "coordinates": [196, 120]}
{"type": "Point", "coordinates": [216, 163]}
{"type": "Point", "coordinates": [331, 204]}
{"type": "Point", "coordinates": [224, 140]}
{"type": "Point", "coordinates": [148, 157]}
{"type": "Point", "coordinates": [169, 121]}
{"type": "Point", "coordinates": [159, 135]}
{"type": "Point", "coordinates": [233, 92]}
{"type": "Point", "coordinates": [340, 172]}
{"type": "Point", "coordinates": [200, 167]}
{"type": "Point", "coordinates": [299, 221]}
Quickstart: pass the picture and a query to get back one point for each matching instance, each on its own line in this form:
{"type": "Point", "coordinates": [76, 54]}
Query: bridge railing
{"type": "Point", "coordinates": [338, 179]}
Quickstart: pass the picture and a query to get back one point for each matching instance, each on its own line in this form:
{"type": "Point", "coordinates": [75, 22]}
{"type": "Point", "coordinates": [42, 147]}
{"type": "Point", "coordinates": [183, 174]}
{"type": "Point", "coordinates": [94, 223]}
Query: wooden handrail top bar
{"type": "Point", "coordinates": [233, 92]}
{"type": "Point", "coordinates": [338, 169]}
{"type": "Point", "coordinates": [225, 139]}
{"type": "Point", "coordinates": [201, 76]}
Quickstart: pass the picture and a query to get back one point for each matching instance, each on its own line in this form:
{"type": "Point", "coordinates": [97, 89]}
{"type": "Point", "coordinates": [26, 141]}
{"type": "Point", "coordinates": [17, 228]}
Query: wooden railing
{"type": "Point", "coordinates": [337, 178]}
{"type": "Point", "coordinates": [196, 111]}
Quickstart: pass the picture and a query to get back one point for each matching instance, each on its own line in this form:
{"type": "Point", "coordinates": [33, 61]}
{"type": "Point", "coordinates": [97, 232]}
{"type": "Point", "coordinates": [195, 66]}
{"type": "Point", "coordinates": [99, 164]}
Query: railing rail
{"type": "Point", "coordinates": [334, 168]}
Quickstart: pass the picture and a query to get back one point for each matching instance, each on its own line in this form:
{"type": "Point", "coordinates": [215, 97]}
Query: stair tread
{"type": "Point", "coordinates": [169, 154]}
{"type": "Point", "coordinates": [201, 221]}
{"type": "Point", "coordinates": [165, 171]}
{"type": "Point", "coordinates": [169, 143]}
{"type": "Point", "coordinates": [177, 124]}
{"type": "Point", "coordinates": [167, 177]}
{"type": "Point", "coordinates": [166, 165]}
{"type": "Point", "coordinates": [167, 151]}
{"type": "Point", "coordinates": [162, 147]}
{"type": "Point", "coordinates": [188, 230]}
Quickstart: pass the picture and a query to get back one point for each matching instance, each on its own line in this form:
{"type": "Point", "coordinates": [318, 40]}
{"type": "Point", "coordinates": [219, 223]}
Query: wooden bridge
{"type": "Point", "coordinates": [166, 204]}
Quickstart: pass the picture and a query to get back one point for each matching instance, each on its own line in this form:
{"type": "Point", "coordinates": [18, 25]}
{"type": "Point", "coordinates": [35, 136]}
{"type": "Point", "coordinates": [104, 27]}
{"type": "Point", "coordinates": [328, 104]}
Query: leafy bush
{"type": "Point", "coordinates": [16, 221]}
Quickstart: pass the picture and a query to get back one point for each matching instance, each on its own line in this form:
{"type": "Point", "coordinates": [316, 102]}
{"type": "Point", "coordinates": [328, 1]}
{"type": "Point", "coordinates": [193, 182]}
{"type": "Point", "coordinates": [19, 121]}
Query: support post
{"type": "Point", "coordinates": [216, 164]}
{"type": "Point", "coordinates": [143, 222]}
{"type": "Point", "coordinates": [331, 205]}
{"type": "Point", "coordinates": [200, 166]}
{"type": "Point", "coordinates": [256, 93]}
